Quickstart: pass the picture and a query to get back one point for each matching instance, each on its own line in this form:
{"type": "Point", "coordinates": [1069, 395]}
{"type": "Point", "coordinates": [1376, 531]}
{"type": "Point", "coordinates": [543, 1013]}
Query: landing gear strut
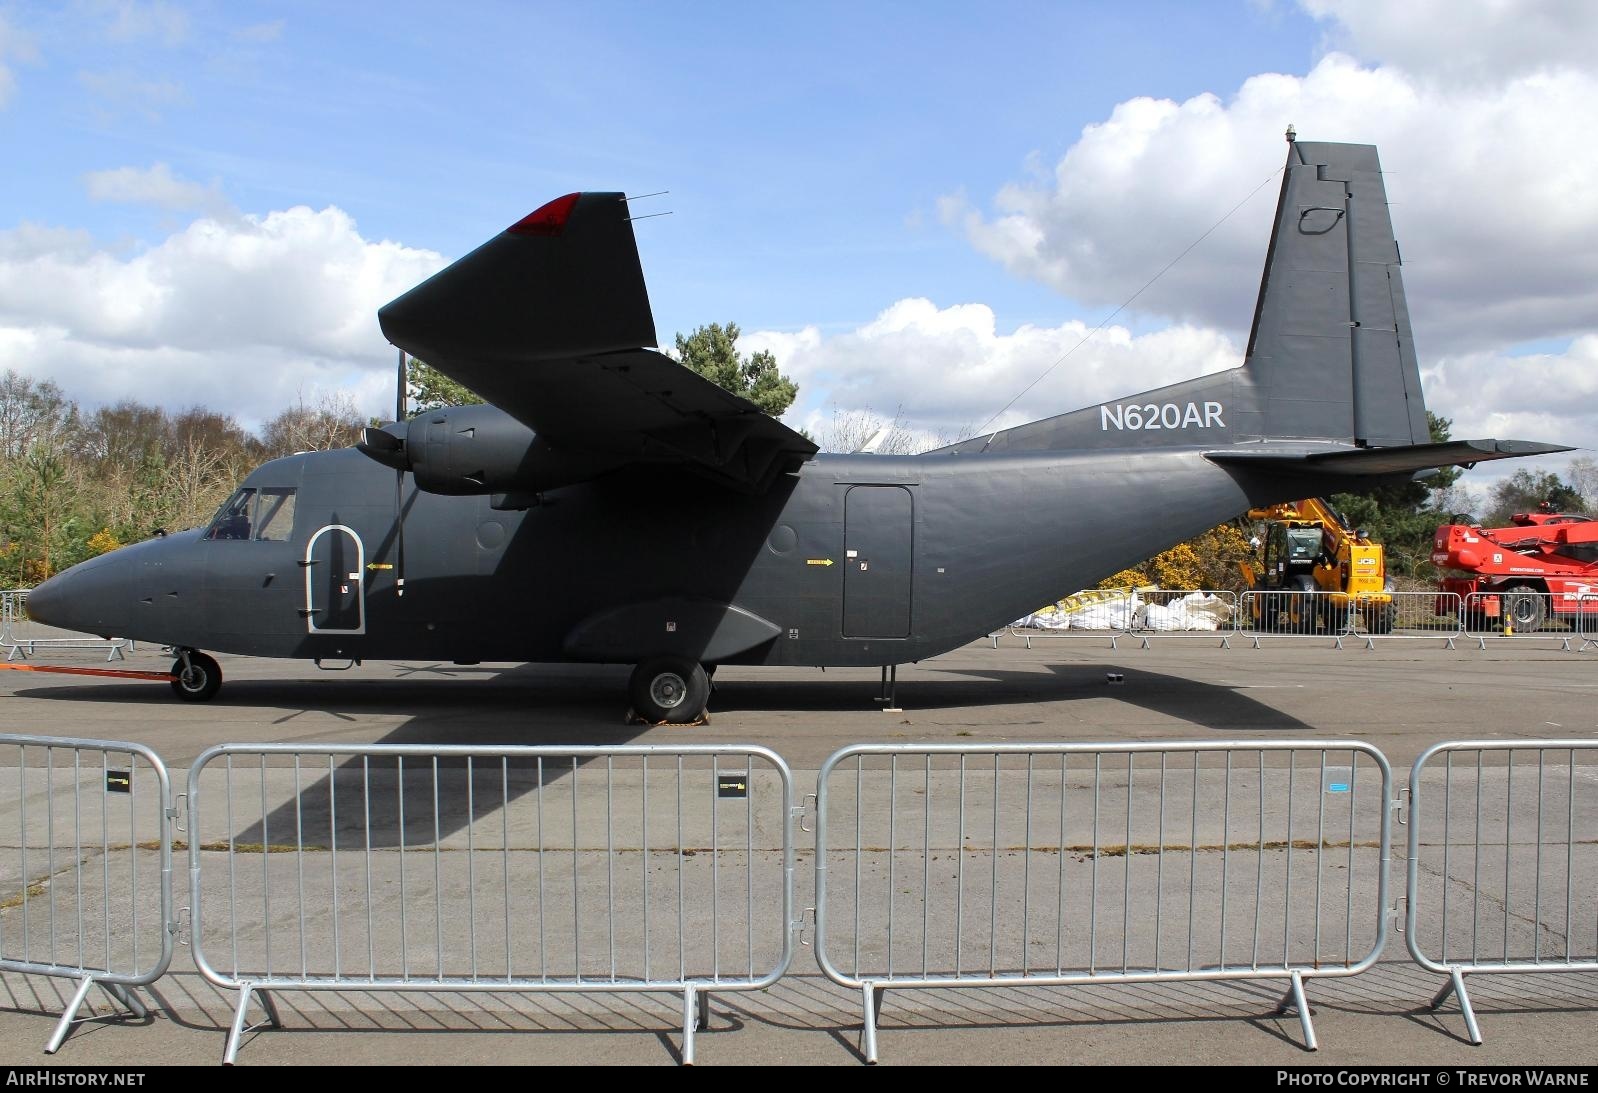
{"type": "Point", "coordinates": [198, 676]}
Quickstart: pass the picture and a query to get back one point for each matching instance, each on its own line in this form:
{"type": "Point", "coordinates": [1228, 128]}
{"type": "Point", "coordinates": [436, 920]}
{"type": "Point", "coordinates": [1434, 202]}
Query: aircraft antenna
{"type": "Point", "coordinates": [1123, 306]}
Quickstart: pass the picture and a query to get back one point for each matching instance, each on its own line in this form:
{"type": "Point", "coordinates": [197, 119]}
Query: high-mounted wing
{"type": "Point", "coordinates": [548, 321]}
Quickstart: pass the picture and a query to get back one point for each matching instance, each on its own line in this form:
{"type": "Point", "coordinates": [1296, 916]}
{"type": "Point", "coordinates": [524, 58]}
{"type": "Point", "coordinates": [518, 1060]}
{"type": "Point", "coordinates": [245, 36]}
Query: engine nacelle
{"type": "Point", "coordinates": [471, 450]}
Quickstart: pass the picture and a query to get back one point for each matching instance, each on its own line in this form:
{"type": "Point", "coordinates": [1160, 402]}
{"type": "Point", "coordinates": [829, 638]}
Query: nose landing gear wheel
{"type": "Point", "coordinates": [669, 689]}
{"type": "Point", "coordinates": [198, 677]}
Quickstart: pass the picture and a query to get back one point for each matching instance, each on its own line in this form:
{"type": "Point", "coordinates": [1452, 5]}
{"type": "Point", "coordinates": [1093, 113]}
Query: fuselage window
{"type": "Point", "coordinates": [265, 515]}
{"type": "Point", "coordinates": [274, 521]}
{"type": "Point", "coordinates": [233, 520]}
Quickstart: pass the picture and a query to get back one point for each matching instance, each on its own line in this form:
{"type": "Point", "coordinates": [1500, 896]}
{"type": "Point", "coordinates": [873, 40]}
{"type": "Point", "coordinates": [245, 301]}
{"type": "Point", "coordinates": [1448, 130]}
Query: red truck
{"type": "Point", "coordinates": [1544, 565]}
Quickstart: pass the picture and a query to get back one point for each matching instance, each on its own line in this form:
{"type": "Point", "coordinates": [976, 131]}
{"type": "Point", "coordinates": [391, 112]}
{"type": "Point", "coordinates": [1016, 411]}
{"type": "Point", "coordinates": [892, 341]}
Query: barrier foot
{"type": "Point", "coordinates": [69, 1016]}
{"type": "Point", "coordinates": [271, 1009]}
{"type": "Point", "coordinates": [238, 1029]}
{"type": "Point", "coordinates": [1294, 999]}
{"type": "Point", "coordinates": [695, 1014]}
{"type": "Point", "coordinates": [1456, 986]}
{"type": "Point", "coordinates": [871, 997]}
{"type": "Point", "coordinates": [129, 997]}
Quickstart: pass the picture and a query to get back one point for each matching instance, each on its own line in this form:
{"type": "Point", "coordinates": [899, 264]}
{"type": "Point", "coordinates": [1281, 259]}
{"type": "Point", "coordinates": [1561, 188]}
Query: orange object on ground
{"type": "Point", "coordinates": [114, 673]}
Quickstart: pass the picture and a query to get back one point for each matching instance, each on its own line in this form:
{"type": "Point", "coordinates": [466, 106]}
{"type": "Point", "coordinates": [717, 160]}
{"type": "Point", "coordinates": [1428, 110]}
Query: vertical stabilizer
{"type": "Point", "coordinates": [1331, 353]}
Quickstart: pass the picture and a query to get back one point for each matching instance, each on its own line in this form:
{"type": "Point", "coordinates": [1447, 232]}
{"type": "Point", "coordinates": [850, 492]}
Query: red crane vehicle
{"type": "Point", "coordinates": [1543, 566]}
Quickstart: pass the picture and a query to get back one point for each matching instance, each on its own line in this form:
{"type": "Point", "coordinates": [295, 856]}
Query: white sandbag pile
{"type": "Point", "coordinates": [1128, 611]}
{"type": "Point", "coordinates": [1086, 611]}
{"type": "Point", "coordinates": [1195, 611]}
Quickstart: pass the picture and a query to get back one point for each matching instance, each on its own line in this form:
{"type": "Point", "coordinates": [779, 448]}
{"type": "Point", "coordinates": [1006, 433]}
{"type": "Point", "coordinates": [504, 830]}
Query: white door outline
{"type": "Point", "coordinates": [359, 579]}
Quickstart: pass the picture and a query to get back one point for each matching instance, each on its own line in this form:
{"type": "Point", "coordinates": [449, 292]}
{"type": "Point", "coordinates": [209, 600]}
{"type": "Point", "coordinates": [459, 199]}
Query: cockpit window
{"type": "Point", "coordinates": [262, 514]}
{"type": "Point", "coordinates": [274, 514]}
{"type": "Point", "coordinates": [233, 521]}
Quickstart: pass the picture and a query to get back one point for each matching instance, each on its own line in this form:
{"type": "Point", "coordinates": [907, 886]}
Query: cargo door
{"type": "Point", "coordinates": [878, 538]}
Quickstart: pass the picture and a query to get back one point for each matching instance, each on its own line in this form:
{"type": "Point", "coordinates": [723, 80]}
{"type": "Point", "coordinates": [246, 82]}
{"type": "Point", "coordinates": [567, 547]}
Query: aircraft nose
{"type": "Point", "coordinates": [44, 602]}
{"type": "Point", "coordinates": [92, 597]}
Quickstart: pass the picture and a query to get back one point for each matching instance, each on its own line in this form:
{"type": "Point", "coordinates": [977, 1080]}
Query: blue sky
{"type": "Point", "coordinates": [206, 201]}
{"type": "Point", "coordinates": [805, 145]}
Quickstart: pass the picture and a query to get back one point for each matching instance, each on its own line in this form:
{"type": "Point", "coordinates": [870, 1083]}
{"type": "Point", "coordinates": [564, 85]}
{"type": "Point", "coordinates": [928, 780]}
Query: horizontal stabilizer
{"type": "Point", "coordinates": [1377, 462]}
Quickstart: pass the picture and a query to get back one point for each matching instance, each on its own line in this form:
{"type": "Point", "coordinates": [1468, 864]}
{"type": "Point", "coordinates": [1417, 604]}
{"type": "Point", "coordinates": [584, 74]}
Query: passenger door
{"type": "Point", "coordinates": [335, 581]}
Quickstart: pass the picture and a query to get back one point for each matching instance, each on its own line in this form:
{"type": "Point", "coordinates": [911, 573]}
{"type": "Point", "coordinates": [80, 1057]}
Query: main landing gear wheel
{"type": "Point", "coordinates": [198, 677]}
{"type": "Point", "coordinates": [669, 689]}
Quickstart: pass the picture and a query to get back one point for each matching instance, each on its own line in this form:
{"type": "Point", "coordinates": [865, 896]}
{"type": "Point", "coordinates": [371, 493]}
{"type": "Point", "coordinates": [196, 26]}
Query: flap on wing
{"type": "Point", "coordinates": [1376, 462]}
{"type": "Point", "coordinates": [548, 321]}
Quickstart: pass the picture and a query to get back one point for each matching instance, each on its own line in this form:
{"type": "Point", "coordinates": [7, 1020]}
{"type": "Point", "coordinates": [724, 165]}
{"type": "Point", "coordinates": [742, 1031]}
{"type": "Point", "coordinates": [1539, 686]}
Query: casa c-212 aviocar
{"type": "Point", "coordinates": [609, 505]}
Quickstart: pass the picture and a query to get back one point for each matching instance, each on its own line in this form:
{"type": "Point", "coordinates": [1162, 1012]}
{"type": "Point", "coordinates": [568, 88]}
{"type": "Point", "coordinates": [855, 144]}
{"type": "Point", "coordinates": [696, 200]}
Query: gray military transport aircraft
{"type": "Point", "coordinates": [612, 506]}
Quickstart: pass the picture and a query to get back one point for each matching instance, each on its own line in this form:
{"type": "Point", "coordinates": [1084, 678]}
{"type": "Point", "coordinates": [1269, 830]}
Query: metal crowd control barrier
{"type": "Point", "coordinates": [1006, 865]}
{"type": "Point", "coordinates": [91, 871]}
{"type": "Point", "coordinates": [1586, 622]}
{"type": "Point", "coordinates": [509, 869]}
{"type": "Point", "coordinates": [17, 639]}
{"type": "Point", "coordinates": [1522, 614]}
{"type": "Point", "coordinates": [1503, 861]}
{"type": "Point", "coordinates": [1333, 615]}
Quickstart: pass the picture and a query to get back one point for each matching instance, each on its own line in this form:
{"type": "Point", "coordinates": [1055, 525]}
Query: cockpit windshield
{"type": "Point", "coordinates": [264, 514]}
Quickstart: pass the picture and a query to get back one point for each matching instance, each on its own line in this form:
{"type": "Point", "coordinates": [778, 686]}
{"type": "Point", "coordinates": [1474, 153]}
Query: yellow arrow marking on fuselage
{"type": "Point", "coordinates": [379, 565]}
{"type": "Point", "coordinates": [818, 561]}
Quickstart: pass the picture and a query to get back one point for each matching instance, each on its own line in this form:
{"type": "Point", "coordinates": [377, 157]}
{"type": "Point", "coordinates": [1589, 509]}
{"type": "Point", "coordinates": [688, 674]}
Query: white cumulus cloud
{"type": "Point", "coordinates": [946, 371]}
{"type": "Point", "coordinates": [244, 314]}
{"type": "Point", "coordinates": [1480, 40]}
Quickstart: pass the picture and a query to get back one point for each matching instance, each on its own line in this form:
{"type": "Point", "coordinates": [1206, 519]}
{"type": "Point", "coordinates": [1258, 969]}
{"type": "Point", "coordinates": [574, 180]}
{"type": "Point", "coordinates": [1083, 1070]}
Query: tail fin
{"type": "Point", "coordinates": [1330, 356]}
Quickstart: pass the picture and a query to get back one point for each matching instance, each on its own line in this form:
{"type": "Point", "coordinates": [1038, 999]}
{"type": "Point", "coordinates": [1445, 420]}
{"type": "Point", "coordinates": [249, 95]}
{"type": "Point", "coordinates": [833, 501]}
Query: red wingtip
{"type": "Point", "coordinates": [549, 220]}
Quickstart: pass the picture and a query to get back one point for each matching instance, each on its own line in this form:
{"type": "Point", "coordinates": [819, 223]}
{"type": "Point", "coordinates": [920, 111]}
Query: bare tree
{"type": "Point", "coordinates": [31, 412]}
{"type": "Point", "coordinates": [865, 431]}
{"type": "Point", "coordinates": [333, 422]}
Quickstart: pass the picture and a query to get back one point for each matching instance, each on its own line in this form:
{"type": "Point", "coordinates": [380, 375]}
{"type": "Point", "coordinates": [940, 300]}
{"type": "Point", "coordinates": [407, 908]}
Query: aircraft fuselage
{"type": "Point", "coordinates": [855, 560]}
